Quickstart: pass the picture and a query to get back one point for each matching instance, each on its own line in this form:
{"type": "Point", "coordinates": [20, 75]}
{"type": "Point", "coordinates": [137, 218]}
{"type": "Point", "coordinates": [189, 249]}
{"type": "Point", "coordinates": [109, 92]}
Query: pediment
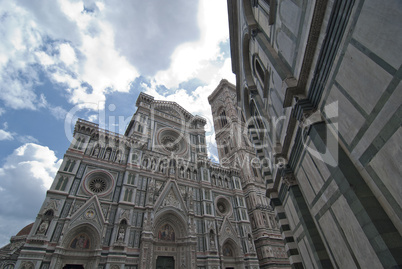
{"type": "Point", "coordinates": [228, 231]}
{"type": "Point", "coordinates": [90, 212]}
{"type": "Point", "coordinates": [171, 198]}
{"type": "Point", "coordinates": [170, 110]}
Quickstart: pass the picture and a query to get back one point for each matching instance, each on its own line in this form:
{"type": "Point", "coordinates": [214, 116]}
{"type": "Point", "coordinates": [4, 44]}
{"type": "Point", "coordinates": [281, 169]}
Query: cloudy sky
{"type": "Point", "coordinates": [92, 58]}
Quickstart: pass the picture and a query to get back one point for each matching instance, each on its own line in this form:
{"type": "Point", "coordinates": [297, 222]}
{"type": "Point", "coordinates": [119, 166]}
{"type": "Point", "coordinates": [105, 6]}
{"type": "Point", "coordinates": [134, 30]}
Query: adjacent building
{"type": "Point", "coordinates": [319, 85]}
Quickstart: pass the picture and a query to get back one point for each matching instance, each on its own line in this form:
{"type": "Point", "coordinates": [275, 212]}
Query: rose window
{"type": "Point", "coordinates": [97, 185]}
{"type": "Point", "coordinates": [169, 143]}
{"type": "Point", "coordinates": [223, 206]}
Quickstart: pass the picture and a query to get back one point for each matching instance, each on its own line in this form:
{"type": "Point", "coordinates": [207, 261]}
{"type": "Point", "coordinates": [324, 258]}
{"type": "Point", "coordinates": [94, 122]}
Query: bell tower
{"type": "Point", "coordinates": [236, 151]}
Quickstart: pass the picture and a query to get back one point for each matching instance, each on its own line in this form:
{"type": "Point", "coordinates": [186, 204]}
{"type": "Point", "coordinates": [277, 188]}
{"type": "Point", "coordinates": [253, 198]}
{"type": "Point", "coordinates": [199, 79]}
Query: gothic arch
{"type": "Point", "coordinates": [84, 229]}
{"type": "Point", "coordinates": [249, 15]}
{"type": "Point", "coordinates": [175, 219]}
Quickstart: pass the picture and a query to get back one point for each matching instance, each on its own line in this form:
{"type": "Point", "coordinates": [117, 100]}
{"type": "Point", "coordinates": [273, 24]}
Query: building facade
{"type": "Point", "coordinates": [319, 85]}
{"type": "Point", "coordinates": [147, 199]}
{"type": "Point", "coordinates": [236, 152]}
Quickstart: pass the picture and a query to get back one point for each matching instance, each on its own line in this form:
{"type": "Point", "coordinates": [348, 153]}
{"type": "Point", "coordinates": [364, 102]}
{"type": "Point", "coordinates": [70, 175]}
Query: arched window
{"type": "Point", "coordinates": [77, 143]}
{"type": "Point", "coordinates": [259, 70]}
{"type": "Point", "coordinates": [128, 195]}
{"type": "Point", "coordinates": [49, 213]}
{"type": "Point", "coordinates": [81, 144]}
{"type": "Point", "coordinates": [68, 163]}
{"type": "Point", "coordinates": [61, 184]}
{"type": "Point", "coordinates": [223, 119]}
{"type": "Point", "coordinates": [225, 147]}
{"type": "Point", "coordinates": [71, 166]}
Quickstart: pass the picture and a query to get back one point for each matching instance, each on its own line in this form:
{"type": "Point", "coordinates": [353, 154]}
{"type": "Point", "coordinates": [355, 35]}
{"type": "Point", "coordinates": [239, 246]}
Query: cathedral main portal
{"type": "Point", "coordinates": [164, 262]}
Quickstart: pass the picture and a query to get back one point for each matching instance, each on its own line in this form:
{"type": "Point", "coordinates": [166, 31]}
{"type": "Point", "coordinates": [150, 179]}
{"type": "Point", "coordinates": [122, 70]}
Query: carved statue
{"type": "Point", "coordinates": [43, 227]}
{"type": "Point", "coordinates": [121, 234]}
{"type": "Point", "coordinates": [96, 151]}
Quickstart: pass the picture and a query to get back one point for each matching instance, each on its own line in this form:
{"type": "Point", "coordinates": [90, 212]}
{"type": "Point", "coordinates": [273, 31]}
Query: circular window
{"type": "Point", "coordinates": [223, 206]}
{"type": "Point", "coordinates": [97, 185]}
{"type": "Point", "coordinates": [169, 143]}
{"type": "Point", "coordinates": [98, 182]}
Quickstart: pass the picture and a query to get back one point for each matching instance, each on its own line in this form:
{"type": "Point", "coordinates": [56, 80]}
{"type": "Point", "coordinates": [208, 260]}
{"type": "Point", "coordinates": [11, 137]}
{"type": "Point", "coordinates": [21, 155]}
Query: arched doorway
{"type": "Point", "coordinates": [80, 249]}
{"type": "Point", "coordinates": [231, 255]}
{"type": "Point", "coordinates": [170, 243]}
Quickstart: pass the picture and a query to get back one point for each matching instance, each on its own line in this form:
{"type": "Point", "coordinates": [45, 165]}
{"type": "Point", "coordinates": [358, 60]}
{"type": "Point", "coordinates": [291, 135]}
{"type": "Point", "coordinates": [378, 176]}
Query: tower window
{"type": "Point", "coordinates": [79, 143]}
{"type": "Point", "coordinates": [259, 70]}
{"type": "Point", "coordinates": [226, 149]}
{"type": "Point", "coordinates": [223, 118]}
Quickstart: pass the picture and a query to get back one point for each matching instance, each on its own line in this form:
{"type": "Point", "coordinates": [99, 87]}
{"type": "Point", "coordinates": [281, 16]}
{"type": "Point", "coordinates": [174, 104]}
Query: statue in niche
{"type": "Point", "coordinates": [43, 227]}
{"type": "Point", "coordinates": [107, 154]}
{"type": "Point", "coordinates": [118, 156]}
{"type": "Point", "coordinates": [273, 224]}
{"type": "Point", "coordinates": [120, 237]}
{"type": "Point", "coordinates": [96, 151]}
{"type": "Point", "coordinates": [212, 240]}
{"type": "Point", "coordinates": [250, 241]}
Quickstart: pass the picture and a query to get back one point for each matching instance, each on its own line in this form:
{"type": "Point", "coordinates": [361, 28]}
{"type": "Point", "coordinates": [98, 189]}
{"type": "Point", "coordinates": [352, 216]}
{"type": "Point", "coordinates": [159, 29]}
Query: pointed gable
{"type": "Point", "coordinates": [171, 197]}
{"type": "Point", "coordinates": [90, 212]}
{"type": "Point", "coordinates": [228, 231]}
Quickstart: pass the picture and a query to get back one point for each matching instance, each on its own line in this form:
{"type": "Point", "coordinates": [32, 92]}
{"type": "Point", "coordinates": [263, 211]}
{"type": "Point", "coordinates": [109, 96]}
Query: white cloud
{"type": "Point", "coordinates": [67, 54]}
{"type": "Point", "coordinates": [81, 55]}
{"type": "Point", "coordinates": [4, 135]}
{"type": "Point", "coordinates": [24, 178]}
{"type": "Point", "coordinates": [197, 59]}
{"type": "Point", "coordinates": [102, 67]}
{"type": "Point", "coordinates": [18, 41]}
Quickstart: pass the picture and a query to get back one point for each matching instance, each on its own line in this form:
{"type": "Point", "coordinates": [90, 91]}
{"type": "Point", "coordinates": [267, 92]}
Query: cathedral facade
{"type": "Point", "coordinates": [151, 199]}
{"type": "Point", "coordinates": [319, 83]}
